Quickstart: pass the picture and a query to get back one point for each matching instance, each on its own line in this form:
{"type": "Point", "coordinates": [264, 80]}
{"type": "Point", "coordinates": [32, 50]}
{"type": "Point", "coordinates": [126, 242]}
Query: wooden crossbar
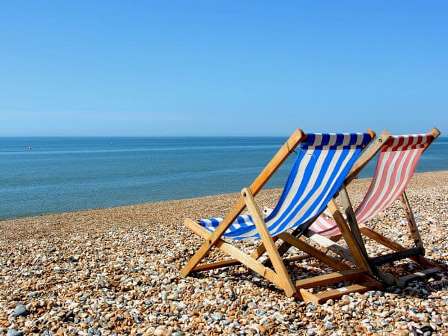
{"type": "Point", "coordinates": [338, 292]}
{"type": "Point", "coordinates": [234, 262]}
{"type": "Point", "coordinates": [330, 278]}
{"type": "Point", "coordinates": [390, 257]}
{"type": "Point", "coordinates": [215, 265]}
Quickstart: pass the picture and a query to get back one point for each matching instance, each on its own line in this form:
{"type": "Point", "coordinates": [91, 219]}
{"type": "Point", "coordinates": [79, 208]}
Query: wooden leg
{"type": "Point", "coordinates": [351, 219]}
{"type": "Point", "coordinates": [359, 258]}
{"type": "Point", "coordinates": [269, 244]}
{"type": "Point", "coordinates": [358, 241]}
{"type": "Point", "coordinates": [415, 234]}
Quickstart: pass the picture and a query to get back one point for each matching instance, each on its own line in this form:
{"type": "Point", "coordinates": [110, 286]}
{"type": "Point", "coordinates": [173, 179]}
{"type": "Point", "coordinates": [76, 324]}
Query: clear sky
{"type": "Point", "coordinates": [222, 67]}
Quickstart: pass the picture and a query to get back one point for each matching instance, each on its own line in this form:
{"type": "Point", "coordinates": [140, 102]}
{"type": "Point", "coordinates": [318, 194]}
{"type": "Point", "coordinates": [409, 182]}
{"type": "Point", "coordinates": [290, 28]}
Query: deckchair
{"type": "Point", "coordinates": [318, 173]}
{"type": "Point", "coordinates": [398, 158]}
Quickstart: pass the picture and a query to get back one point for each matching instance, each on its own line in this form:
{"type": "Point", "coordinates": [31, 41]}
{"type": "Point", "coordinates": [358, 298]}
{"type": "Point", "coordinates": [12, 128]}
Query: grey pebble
{"type": "Point", "coordinates": [14, 332]}
{"type": "Point", "coordinates": [20, 310]}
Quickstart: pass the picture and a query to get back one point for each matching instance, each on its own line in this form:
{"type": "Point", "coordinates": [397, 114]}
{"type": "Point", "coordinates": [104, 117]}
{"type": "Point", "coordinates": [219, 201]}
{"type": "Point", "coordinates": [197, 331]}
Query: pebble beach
{"type": "Point", "coordinates": [116, 272]}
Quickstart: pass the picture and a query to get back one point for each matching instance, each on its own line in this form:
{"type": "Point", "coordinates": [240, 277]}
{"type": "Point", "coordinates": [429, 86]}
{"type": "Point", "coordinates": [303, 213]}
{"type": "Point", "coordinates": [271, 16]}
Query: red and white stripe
{"type": "Point", "coordinates": [394, 169]}
{"type": "Point", "coordinates": [325, 226]}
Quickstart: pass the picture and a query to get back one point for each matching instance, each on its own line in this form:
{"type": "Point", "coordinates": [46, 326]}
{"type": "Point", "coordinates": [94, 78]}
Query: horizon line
{"type": "Point", "coordinates": [141, 136]}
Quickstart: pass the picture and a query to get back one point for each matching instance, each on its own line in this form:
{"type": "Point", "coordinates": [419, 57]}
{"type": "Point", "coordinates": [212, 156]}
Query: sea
{"type": "Point", "coordinates": [41, 175]}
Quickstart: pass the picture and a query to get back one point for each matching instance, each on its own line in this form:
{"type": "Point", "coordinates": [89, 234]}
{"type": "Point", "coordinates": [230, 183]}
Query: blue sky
{"type": "Point", "coordinates": [222, 67]}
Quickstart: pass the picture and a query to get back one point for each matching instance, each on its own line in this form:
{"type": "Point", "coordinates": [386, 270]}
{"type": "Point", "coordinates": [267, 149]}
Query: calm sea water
{"type": "Point", "coordinates": [44, 175]}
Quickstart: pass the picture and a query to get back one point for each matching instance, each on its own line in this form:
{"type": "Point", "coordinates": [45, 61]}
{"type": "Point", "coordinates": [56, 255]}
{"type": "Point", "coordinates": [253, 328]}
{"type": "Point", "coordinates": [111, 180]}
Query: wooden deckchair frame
{"type": "Point", "coordinates": [400, 252]}
{"type": "Point", "coordinates": [279, 274]}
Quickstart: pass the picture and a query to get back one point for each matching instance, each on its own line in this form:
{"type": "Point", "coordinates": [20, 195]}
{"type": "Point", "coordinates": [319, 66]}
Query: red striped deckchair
{"type": "Point", "coordinates": [398, 158]}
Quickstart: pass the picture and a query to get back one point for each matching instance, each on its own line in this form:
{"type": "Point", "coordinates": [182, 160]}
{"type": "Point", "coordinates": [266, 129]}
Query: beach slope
{"type": "Point", "coordinates": [106, 271]}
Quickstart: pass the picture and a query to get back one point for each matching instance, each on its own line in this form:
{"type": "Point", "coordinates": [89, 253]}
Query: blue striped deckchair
{"type": "Point", "coordinates": [318, 173]}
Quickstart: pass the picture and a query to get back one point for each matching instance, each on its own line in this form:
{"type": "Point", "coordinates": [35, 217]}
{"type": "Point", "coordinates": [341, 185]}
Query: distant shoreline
{"type": "Point", "coordinates": [362, 180]}
{"type": "Point", "coordinates": [54, 175]}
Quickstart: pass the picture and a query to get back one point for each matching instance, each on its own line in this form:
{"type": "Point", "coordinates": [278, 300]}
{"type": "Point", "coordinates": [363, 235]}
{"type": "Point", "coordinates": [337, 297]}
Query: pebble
{"type": "Point", "coordinates": [14, 332]}
{"type": "Point", "coordinates": [177, 333]}
{"type": "Point", "coordinates": [217, 316]}
{"type": "Point", "coordinates": [20, 310]}
{"type": "Point", "coordinates": [311, 332]}
{"type": "Point", "coordinates": [328, 325]}
{"type": "Point", "coordinates": [164, 296]}
{"type": "Point", "coordinates": [160, 331]}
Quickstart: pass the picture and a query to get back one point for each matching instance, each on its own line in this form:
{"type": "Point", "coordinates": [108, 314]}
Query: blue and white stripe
{"type": "Point", "coordinates": [322, 164]}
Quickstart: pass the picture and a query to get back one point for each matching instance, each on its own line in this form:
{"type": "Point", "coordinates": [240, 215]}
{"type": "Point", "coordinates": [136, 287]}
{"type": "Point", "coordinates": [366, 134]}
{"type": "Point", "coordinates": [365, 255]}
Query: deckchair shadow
{"type": "Point", "coordinates": [398, 158]}
{"type": "Point", "coordinates": [317, 175]}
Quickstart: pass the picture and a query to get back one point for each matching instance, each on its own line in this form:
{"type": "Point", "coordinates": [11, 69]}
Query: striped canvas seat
{"type": "Point", "coordinates": [322, 164]}
{"type": "Point", "coordinates": [394, 169]}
